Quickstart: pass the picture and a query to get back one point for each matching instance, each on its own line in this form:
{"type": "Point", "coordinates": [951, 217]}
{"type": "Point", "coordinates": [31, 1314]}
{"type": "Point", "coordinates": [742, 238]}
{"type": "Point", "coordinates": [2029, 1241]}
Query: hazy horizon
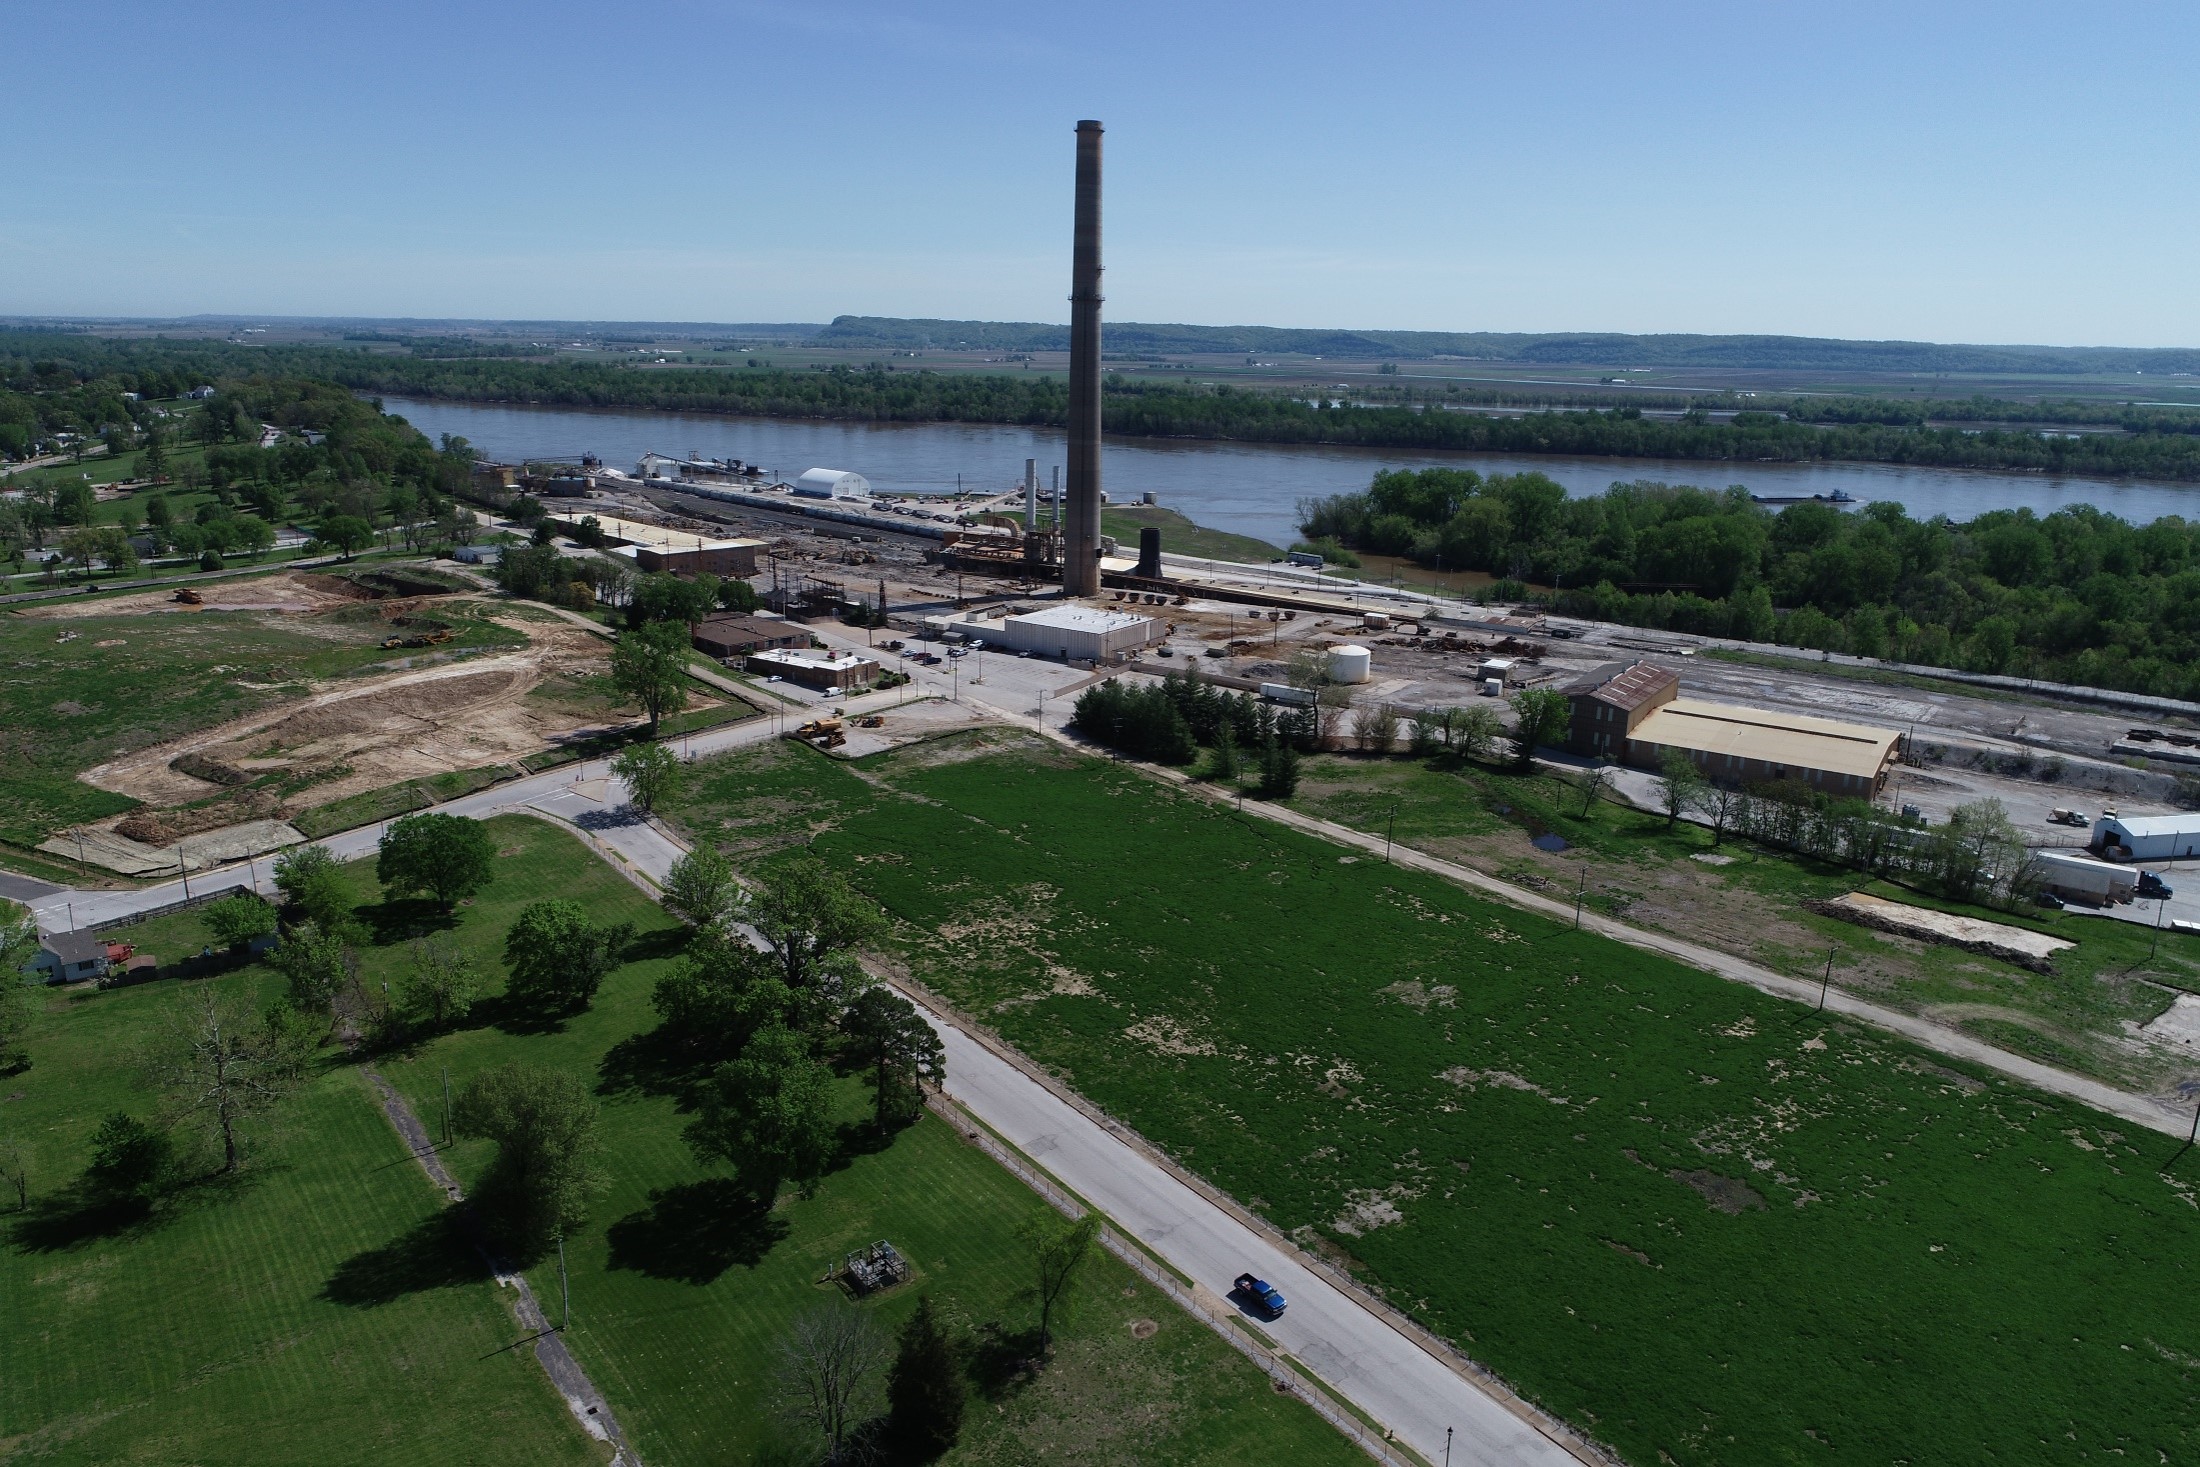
{"type": "Point", "coordinates": [1994, 178]}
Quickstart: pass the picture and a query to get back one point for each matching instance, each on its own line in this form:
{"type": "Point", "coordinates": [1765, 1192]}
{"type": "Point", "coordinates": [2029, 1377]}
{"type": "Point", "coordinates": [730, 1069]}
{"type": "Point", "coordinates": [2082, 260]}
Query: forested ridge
{"type": "Point", "coordinates": [2077, 596]}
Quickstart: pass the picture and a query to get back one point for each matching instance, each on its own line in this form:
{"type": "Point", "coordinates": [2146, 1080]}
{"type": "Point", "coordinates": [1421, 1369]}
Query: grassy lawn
{"type": "Point", "coordinates": [229, 1325]}
{"type": "Point", "coordinates": [123, 682]}
{"type": "Point", "coordinates": [1701, 1223]}
{"type": "Point", "coordinates": [1751, 905]}
{"type": "Point", "coordinates": [680, 1295]}
{"type": "Point", "coordinates": [1179, 536]}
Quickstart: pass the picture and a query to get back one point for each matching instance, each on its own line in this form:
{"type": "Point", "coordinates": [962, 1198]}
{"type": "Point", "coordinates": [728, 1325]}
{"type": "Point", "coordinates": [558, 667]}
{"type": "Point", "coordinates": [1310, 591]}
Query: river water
{"type": "Point", "coordinates": [1249, 488]}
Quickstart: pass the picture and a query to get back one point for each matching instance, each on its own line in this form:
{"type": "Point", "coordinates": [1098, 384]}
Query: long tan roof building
{"type": "Point", "coordinates": [1634, 713]}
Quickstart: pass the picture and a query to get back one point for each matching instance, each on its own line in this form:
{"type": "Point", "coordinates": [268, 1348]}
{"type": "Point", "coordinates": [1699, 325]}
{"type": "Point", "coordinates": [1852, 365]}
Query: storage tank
{"type": "Point", "coordinates": [1350, 663]}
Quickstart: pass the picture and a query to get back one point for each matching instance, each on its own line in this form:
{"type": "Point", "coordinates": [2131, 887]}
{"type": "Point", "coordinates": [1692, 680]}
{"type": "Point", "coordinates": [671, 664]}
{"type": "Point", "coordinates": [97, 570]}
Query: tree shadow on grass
{"type": "Point", "coordinates": [517, 1017]}
{"type": "Point", "coordinates": [401, 919]}
{"type": "Point", "coordinates": [83, 1213]}
{"type": "Point", "coordinates": [998, 1361]}
{"type": "Point", "coordinates": [435, 1253]}
{"type": "Point", "coordinates": [658, 1063]}
{"type": "Point", "coordinates": [694, 1232]}
{"type": "Point", "coordinates": [661, 942]}
{"type": "Point", "coordinates": [75, 1217]}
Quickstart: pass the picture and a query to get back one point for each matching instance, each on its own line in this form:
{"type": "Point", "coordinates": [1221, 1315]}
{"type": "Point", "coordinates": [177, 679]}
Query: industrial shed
{"type": "Point", "coordinates": [658, 548]}
{"type": "Point", "coordinates": [1736, 745]}
{"type": "Point", "coordinates": [2147, 837]}
{"type": "Point", "coordinates": [820, 670]}
{"type": "Point", "coordinates": [832, 484]}
{"type": "Point", "coordinates": [1609, 704]}
{"type": "Point", "coordinates": [1084, 633]}
{"type": "Point", "coordinates": [730, 637]}
{"type": "Point", "coordinates": [1632, 712]}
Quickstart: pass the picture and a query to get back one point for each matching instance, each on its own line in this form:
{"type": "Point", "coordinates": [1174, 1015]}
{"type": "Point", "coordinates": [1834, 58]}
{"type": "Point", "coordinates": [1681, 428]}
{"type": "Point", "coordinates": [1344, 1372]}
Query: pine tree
{"type": "Point", "coordinates": [924, 1390]}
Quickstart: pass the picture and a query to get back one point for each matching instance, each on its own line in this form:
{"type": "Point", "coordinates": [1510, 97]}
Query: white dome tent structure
{"type": "Point", "coordinates": [832, 484]}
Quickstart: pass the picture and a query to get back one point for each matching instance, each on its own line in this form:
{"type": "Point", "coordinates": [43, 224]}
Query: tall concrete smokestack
{"type": "Point", "coordinates": [1081, 534]}
{"type": "Point", "coordinates": [1031, 494]}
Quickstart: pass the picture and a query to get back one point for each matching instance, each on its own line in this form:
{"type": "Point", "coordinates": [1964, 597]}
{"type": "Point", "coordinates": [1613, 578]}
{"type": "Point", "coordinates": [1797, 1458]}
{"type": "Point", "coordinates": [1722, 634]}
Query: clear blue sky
{"type": "Point", "coordinates": [2001, 173]}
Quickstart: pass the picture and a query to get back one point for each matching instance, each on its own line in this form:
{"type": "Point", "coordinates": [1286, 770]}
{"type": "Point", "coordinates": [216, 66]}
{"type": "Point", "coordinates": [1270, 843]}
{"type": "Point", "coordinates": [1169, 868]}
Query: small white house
{"type": "Point", "coordinates": [69, 957]}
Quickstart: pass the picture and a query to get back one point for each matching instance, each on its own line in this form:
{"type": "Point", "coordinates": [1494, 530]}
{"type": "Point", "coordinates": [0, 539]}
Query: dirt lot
{"type": "Point", "coordinates": [368, 732]}
{"type": "Point", "coordinates": [291, 592]}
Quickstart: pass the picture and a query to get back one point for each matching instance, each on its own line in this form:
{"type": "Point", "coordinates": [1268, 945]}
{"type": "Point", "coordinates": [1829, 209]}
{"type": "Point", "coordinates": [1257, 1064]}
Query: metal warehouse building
{"type": "Point", "coordinates": [1082, 633]}
{"type": "Point", "coordinates": [1633, 712]}
{"type": "Point", "coordinates": [2147, 837]}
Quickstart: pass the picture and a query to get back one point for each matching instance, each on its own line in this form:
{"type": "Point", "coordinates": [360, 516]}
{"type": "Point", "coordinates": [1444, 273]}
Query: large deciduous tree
{"type": "Point", "coordinates": [808, 915]}
{"type": "Point", "coordinates": [559, 957]}
{"type": "Point", "coordinates": [447, 857]}
{"type": "Point", "coordinates": [1057, 1247]}
{"type": "Point", "coordinates": [649, 666]}
{"type": "Point", "coordinates": [220, 1066]}
{"type": "Point", "coordinates": [1540, 718]}
{"type": "Point", "coordinates": [543, 1123]}
{"type": "Point", "coordinates": [769, 1114]}
{"type": "Point", "coordinates": [652, 773]}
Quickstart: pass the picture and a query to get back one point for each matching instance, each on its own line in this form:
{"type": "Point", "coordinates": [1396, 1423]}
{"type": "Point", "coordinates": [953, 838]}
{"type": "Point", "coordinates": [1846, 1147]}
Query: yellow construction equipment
{"type": "Point", "coordinates": [825, 733]}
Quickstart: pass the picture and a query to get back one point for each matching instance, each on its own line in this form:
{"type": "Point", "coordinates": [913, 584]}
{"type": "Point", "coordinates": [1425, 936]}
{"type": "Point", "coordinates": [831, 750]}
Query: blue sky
{"type": "Point", "coordinates": [2004, 172]}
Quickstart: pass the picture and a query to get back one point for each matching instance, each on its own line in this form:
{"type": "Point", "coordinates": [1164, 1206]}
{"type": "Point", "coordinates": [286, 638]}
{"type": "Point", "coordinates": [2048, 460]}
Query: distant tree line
{"type": "Point", "coordinates": [2154, 442]}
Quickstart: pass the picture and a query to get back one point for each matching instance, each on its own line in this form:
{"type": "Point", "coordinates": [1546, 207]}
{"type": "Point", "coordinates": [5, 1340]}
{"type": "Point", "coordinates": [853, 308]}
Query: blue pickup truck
{"type": "Point", "coordinates": [1259, 1296]}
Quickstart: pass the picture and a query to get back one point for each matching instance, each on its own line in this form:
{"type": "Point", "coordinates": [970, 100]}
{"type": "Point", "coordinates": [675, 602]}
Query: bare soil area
{"type": "Point", "coordinates": [293, 591]}
{"type": "Point", "coordinates": [363, 733]}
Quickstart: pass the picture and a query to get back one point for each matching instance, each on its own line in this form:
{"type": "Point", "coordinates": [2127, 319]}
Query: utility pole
{"type": "Point", "coordinates": [1579, 893]}
{"type": "Point", "coordinates": [2161, 905]}
{"type": "Point", "coordinates": [1827, 981]}
{"type": "Point", "coordinates": [1391, 824]}
{"type": "Point", "coordinates": [183, 871]}
{"type": "Point", "coordinates": [565, 1291]}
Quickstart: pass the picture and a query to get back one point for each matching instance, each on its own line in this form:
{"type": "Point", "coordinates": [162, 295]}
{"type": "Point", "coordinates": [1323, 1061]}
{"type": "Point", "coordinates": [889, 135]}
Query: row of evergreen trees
{"type": "Point", "coordinates": [1171, 721]}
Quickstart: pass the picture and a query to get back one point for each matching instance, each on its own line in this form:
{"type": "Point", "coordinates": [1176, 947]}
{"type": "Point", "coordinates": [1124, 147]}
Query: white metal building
{"type": "Point", "coordinates": [2147, 837]}
{"type": "Point", "coordinates": [1085, 633]}
{"type": "Point", "coordinates": [832, 484]}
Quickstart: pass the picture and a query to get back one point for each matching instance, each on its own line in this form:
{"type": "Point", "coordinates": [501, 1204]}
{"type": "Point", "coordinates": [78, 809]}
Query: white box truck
{"type": "Point", "coordinates": [2084, 880]}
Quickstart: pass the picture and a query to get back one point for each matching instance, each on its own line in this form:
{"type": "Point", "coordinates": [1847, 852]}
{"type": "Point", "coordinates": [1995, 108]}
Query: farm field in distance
{"type": "Point", "coordinates": [1704, 1225]}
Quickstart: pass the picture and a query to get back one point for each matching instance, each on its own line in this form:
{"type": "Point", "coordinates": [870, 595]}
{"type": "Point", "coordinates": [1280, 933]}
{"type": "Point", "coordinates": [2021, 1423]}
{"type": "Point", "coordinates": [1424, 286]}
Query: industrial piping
{"type": "Point", "coordinates": [1081, 535]}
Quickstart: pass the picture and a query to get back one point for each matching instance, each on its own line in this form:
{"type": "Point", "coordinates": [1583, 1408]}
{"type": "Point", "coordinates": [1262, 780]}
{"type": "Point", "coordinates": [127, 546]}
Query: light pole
{"type": "Point", "coordinates": [1580, 892]}
{"type": "Point", "coordinates": [1447, 1447]}
{"type": "Point", "coordinates": [1827, 981]}
{"type": "Point", "coordinates": [1391, 824]}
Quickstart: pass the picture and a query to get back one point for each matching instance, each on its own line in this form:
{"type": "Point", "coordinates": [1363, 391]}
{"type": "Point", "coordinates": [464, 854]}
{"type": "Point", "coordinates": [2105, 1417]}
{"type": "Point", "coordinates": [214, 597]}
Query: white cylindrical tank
{"type": "Point", "coordinates": [1350, 664]}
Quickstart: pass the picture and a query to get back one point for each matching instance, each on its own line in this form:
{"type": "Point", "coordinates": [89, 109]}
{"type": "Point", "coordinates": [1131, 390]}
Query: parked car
{"type": "Point", "coordinates": [1259, 1295]}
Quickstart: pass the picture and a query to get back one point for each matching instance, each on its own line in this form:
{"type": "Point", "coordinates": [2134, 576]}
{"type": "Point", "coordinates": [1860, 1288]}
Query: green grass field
{"type": "Point", "coordinates": [680, 1295]}
{"type": "Point", "coordinates": [1701, 1223]}
{"type": "Point", "coordinates": [1751, 905]}
{"type": "Point", "coordinates": [122, 682]}
{"type": "Point", "coordinates": [231, 1325]}
{"type": "Point", "coordinates": [1179, 536]}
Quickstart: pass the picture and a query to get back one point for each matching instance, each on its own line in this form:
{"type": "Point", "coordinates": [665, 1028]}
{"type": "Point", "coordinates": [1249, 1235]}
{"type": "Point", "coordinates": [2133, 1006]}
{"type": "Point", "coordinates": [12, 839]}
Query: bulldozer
{"type": "Point", "coordinates": [824, 733]}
